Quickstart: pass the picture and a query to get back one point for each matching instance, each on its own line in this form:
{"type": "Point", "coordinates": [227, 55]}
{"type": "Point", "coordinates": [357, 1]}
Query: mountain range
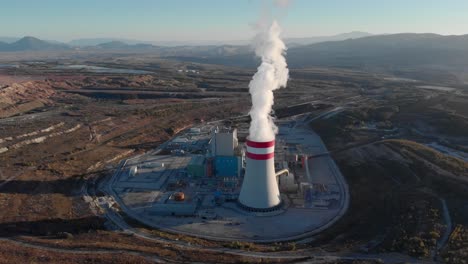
{"type": "Point", "coordinates": [290, 42]}
{"type": "Point", "coordinates": [391, 51]}
{"type": "Point", "coordinates": [384, 51]}
{"type": "Point", "coordinates": [87, 42]}
{"type": "Point", "coordinates": [32, 44]}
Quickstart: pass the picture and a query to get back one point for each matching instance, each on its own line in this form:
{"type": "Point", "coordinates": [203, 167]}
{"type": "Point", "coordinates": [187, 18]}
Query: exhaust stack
{"type": "Point", "coordinates": [259, 190]}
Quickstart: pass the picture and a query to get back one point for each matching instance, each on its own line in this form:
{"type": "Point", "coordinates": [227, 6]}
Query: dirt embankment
{"type": "Point", "coordinates": [11, 252]}
{"type": "Point", "coordinates": [44, 200]}
{"type": "Point", "coordinates": [46, 157]}
{"type": "Point", "coordinates": [396, 187]}
{"type": "Point", "coordinates": [22, 97]}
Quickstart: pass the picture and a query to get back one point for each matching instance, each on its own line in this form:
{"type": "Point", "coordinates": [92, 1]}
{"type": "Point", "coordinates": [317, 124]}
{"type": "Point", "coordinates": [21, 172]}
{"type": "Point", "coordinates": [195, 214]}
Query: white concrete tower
{"type": "Point", "coordinates": [260, 189]}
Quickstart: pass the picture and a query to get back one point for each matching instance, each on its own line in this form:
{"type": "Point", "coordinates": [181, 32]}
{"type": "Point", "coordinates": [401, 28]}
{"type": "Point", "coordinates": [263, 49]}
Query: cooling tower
{"type": "Point", "coordinates": [259, 190]}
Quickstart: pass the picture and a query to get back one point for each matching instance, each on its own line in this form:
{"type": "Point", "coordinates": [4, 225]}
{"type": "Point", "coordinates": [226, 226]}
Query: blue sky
{"type": "Point", "coordinates": [159, 20]}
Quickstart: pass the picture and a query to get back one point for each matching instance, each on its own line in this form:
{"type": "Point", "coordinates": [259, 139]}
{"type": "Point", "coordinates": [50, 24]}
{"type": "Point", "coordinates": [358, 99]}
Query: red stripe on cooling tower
{"type": "Point", "coordinates": [255, 144]}
{"type": "Point", "coordinates": [259, 156]}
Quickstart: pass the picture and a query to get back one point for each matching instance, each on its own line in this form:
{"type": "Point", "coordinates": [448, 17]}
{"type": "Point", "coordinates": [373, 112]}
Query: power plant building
{"type": "Point", "coordinates": [207, 183]}
{"type": "Point", "coordinates": [224, 142]}
{"type": "Point", "coordinates": [196, 166]}
{"type": "Point", "coordinates": [228, 166]}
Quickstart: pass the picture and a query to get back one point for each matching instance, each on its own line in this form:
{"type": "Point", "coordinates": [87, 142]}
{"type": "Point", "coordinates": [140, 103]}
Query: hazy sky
{"type": "Point", "coordinates": [157, 20]}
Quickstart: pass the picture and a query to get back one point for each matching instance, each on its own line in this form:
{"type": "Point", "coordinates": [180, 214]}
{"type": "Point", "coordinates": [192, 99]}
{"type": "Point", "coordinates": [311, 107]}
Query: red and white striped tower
{"type": "Point", "coordinates": [260, 190]}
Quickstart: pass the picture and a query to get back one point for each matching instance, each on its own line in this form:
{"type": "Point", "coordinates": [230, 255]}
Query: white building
{"type": "Point", "coordinates": [224, 142]}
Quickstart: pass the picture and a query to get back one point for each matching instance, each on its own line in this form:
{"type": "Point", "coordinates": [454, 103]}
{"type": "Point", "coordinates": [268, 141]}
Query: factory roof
{"type": "Point", "coordinates": [227, 130]}
{"type": "Point", "coordinates": [180, 140]}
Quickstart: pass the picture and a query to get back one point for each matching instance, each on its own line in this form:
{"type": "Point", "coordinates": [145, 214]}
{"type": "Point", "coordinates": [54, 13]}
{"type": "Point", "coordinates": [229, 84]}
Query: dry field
{"type": "Point", "coordinates": [63, 131]}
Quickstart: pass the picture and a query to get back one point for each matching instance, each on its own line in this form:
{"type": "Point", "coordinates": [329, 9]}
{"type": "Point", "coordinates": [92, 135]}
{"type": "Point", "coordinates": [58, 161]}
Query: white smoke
{"type": "Point", "coordinates": [283, 3]}
{"type": "Point", "coordinates": [271, 75]}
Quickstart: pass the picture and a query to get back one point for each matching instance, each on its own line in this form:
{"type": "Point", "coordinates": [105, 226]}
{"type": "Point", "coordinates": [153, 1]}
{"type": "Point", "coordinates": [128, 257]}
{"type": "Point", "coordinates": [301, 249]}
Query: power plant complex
{"type": "Point", "coordinates": [238, 181]}
{"type": "Point", "coordinates": [213, 181]}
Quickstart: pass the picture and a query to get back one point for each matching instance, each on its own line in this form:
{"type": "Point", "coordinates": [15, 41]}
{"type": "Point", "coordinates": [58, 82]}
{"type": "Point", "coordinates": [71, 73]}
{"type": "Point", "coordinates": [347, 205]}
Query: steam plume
{"type": "Point", "coordinates": [283, 3]}
{"type": "Point", "coordinates": [271, 75]}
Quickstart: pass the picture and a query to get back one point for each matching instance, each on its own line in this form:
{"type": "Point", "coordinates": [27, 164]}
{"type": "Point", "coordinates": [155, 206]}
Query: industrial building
{"type": "Point", "coordinates": [245, 173]}
{"type": "Point", "coordinates": [206, 174]}
{"type": "Point", "coordinates": [228, 166]}
{"type": "Point", "coordinates": [196, 166]}
{"type": "Point", "coordinates": [224, 141]}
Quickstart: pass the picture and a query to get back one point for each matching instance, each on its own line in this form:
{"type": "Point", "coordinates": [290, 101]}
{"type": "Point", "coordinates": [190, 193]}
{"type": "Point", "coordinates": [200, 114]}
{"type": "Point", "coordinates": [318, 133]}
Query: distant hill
{"type": "Point", "coordinates": [35, 44]}
{"type": "Point", "coordinates": [394, 52]}
{"type": "Point", "coordinates": [3, 45]}
{"type": "Point", "coordinates": [119, 45]}
{"type": "Point", "coordinates": [8, 39]}
{"type": "Point", "coordinates": [384, 50]}
{"type": "Point", "coordinates": [86, 42]}
{"type": "Point", "coordinates": [96, 41]}
{"type": "Point", "coordinates": [113, 45]}
{"type": "Point", "coordinates": [380, 51]}
{"type": "Point", "coordinates": [292, 42]}
{"type": "Point", "coordinates": [32, 44]}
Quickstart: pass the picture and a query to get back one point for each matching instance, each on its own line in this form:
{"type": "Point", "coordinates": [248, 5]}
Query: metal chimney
{"type": "Point", "coordinates": [259, 190]}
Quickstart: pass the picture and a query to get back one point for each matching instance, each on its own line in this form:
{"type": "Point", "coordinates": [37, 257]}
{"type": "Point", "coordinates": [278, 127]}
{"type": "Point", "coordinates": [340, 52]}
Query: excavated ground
{"type": "Point", "coordinates": [54, 140]}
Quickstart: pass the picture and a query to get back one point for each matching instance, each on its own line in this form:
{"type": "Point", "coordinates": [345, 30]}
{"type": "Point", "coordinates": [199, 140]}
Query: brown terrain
{"type": "Point", "coordinates": [63, 131]}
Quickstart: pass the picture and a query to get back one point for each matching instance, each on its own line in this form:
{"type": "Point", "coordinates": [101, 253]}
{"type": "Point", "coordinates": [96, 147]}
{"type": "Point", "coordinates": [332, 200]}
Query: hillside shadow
{"type": "Point", "coordinates": [54, 227]}
{"type": "Point", "coordinates": [68, 187]}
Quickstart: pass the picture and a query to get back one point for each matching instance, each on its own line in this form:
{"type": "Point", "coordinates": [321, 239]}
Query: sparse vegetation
{"type": "Point", "coordinates": [456, 166]}
{"type": "Point", "coordinates": [456, 251]}
{"type": "Point", "coordinates": [376, 140]}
